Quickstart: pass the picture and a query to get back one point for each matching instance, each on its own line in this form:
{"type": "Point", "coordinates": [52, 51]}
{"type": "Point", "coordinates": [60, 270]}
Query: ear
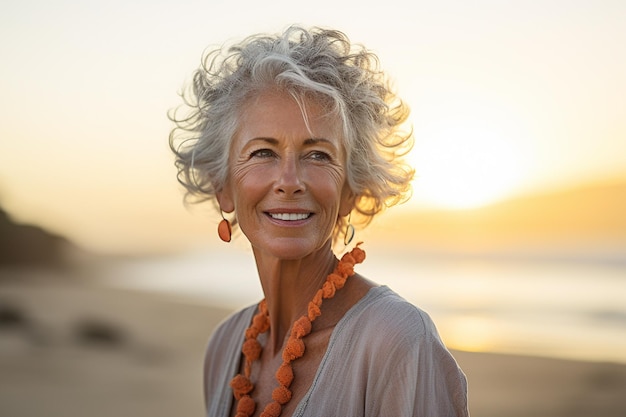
{"type": "Point", "coordinates": [348, 199]}
{"type": "Point", "coordinates": [225, 199]}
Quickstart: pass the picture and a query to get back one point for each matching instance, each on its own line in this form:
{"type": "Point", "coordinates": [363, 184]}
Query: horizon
{"type": "Point", "coordinates": [491, 230]}
{"type": "Point", "coordinates": [507, 101]}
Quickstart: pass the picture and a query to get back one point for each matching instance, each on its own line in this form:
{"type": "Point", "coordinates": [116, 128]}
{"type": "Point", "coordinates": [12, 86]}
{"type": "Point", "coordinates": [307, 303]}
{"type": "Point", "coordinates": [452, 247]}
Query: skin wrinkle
{"type": "Point", "coordinates": [276, 164]}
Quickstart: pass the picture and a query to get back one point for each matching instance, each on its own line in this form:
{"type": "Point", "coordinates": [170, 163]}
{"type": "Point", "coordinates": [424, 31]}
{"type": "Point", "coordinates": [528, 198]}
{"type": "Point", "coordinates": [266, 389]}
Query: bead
{"type": "Point", "coordinates": [293, 350]}
{"type": "Point", "coordinates": [273, 409]}
{"type": "Point", "coordinates": [337, 280]}
{"type": "Point", "coordinates": [345, 269]}
{"type": "Point", "coordinates": [241, 386]}
{"type": "Point", "coordinates": [261, 323]}
{"type": "Point", "coordinates": [317, 298]}
{"type": "Point", "coordinates": [314, 311]}
{"type": "Point", "coordinates": [358, 254]}
{"type": "Point", "coordinates": [252, 333]}
{"type": "Point", "coordinates": [246, 406]}
{"type": "Point", "coordinates": [301, 327]}
{"type": "Point", "coordinates": [284, 375]}
{"type": "Point", "coordinates": [328, 290]}
{"type": "Point", "coordinates": [252, 349]}
{"type": "Point", "coordinates": [281, 395]}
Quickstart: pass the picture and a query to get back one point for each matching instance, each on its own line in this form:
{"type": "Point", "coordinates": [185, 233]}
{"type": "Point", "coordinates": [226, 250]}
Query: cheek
{"type": "Point", "coordinates": [249, 181]}
{"type": "Point", "coordinates": [328, 184]}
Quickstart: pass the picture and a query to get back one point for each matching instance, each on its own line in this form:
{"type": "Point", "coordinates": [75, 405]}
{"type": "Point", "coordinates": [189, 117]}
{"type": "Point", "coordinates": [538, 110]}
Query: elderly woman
{"type": "Point", "coordinates": [295, 136]}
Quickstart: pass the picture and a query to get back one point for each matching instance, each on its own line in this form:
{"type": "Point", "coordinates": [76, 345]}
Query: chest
{"type": "Point", "coordinates": [305, 369]}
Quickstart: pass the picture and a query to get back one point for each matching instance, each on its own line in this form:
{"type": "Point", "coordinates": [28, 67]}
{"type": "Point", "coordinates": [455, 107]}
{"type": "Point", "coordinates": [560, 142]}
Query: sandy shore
{"type": "Point", "coordinates": [72, 349]}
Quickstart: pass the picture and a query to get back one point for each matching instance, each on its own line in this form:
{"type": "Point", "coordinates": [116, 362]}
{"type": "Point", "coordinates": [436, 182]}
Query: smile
{"type": "Point", "coordinates": [290, 216]}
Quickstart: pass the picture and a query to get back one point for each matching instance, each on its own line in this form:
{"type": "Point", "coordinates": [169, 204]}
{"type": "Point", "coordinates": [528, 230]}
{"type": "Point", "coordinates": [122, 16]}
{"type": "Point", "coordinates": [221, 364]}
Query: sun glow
{"type": "Point", "coordinates": [470, 333]}
{"type": "Point", "coordinates": [465, 167]}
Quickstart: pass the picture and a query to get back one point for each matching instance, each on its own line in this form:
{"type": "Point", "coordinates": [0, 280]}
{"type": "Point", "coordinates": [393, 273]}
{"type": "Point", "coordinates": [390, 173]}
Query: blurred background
{"type": "Point", "coordinates": [514, 240]}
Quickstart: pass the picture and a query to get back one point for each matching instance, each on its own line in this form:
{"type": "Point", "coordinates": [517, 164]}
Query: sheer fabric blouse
{"type": "Point", "coordinates": [384, 358]}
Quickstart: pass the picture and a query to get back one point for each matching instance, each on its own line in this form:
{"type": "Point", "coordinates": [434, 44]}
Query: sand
{"type": "Point", "coordinates": [70, 348]}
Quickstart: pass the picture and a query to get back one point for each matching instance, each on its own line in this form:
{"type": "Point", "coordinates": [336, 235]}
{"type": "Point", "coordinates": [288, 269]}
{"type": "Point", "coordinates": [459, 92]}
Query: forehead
{"type": "Point", "coordinates": [279, 115]}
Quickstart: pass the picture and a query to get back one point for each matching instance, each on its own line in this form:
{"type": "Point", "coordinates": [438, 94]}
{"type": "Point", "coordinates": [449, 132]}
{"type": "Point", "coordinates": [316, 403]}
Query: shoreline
{"type": "Point", "coordinates": [73, 348]}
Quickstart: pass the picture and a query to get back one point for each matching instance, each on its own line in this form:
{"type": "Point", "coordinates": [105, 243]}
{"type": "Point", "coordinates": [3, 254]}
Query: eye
{"type": "Point", "coordinates": [262, 153]}
{"type": "Point", "coordinates": [319, 156]}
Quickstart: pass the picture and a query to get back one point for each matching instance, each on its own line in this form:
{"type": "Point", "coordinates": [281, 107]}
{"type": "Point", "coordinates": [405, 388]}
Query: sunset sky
{"type": "Point", "coordinates": [508, 98]}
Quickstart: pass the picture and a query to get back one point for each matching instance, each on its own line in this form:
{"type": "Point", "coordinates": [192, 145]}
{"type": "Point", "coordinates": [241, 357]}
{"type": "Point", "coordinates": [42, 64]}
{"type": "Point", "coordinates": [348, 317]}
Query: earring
{"type": "Point", "coordinates": [224, 230]}
{"type": "Point", "coordinates": [349, 235]}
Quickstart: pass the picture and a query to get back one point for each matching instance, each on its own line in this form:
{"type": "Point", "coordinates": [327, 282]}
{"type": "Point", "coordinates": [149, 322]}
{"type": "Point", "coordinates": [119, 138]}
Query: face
{"type": "Point", "coordinates": [287, 182]}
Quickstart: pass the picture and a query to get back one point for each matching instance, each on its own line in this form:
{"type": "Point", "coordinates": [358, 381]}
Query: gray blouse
{"type": "Point", "coordinates": [384, 358]}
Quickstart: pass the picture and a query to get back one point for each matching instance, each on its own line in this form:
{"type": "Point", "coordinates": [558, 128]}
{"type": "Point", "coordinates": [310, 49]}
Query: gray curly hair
{"type": "Point", "coordinates": [307, 63]}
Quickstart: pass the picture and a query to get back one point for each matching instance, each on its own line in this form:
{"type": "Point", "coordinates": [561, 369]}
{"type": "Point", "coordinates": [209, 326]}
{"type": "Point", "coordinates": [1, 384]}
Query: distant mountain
{"type": "Point", "coordinates": [586, 221]}
{"type": "Point", "coordinates": [22, 245]}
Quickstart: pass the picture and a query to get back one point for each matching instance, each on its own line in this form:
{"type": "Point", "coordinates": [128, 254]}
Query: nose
{"type": "Point", "coordinates": [289, 180]}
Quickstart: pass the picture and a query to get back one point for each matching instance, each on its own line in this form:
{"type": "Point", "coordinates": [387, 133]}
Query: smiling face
{"type": "Point", "coordinates": [287, 182]}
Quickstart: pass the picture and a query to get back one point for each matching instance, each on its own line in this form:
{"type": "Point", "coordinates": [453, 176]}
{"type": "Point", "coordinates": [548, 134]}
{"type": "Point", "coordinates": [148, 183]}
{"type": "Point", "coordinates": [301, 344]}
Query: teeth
{"type": "Point", "coordinates": [290, 216]}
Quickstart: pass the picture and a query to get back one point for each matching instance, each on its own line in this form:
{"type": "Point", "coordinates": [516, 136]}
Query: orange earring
{"type": "Point", "coordinates": [224, 230]}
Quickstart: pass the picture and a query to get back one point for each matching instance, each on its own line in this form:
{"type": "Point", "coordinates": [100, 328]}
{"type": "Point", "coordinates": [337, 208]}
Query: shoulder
{"type": "Point", "coordinates": [387, 327]}
{"type": "Point", "coordinates": [384, 312]}
{"type": "Point", "coordinates": [384, 323]}
{"type": "Point", "coordinates": [391, 345]}
{"type": "Point", "coordinates": [221, 360]}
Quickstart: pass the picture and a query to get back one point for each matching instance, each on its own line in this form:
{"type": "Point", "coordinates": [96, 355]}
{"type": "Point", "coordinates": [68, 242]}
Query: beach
{"type": "Point", "coordinates": [74, 347]}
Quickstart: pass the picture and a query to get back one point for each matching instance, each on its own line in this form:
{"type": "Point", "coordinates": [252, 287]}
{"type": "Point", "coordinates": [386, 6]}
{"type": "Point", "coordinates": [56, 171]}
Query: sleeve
{"type": "Point", "coordinates": [417, 376]}
{"type": "Point", "coordinates": [221, 361]}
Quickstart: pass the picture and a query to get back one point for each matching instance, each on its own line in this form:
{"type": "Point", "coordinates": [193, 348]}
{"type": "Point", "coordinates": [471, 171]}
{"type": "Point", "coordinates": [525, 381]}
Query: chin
{"type": "Point", "coordinates": [293, 248]}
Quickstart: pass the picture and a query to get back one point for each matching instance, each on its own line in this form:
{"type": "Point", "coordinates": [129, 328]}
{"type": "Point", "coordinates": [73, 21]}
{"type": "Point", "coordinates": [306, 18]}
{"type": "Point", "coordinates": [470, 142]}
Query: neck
{"type": "Point", "coordinates": [288, 286]}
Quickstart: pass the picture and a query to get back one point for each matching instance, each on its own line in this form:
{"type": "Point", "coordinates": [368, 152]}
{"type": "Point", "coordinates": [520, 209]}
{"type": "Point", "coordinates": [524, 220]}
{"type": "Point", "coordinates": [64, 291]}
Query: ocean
{"type": "Point", "coordinates": [556, 308]}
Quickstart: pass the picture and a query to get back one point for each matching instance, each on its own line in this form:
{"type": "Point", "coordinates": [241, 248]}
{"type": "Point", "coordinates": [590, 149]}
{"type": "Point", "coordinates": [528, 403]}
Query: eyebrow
{"type": "Point", "coordinates": [264, 139]}
{"type": "Point", "coordinates": [309, 141]}
{"type": "Point", "coordinates": [313, 141]}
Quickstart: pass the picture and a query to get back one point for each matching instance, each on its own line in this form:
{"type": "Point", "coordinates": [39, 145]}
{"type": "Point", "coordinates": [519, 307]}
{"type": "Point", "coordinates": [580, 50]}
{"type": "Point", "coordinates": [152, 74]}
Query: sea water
{"type": "Point", "coordinates": [557, 308]}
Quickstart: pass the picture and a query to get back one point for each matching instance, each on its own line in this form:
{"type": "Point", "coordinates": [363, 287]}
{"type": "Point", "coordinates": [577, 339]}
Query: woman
{"type": "Point", "coordinates": [294, 136]}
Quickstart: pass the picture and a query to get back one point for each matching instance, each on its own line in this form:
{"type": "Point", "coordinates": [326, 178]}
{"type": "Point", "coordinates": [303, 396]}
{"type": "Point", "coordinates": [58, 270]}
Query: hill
{"type": "Point", "coordinates": [26, 245]}
{"type": "Point", "coordinates": [583, 222]}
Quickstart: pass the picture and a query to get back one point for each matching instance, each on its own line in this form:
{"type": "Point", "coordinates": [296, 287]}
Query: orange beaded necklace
{"type": "Point", "coordinates": [294, 348]}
